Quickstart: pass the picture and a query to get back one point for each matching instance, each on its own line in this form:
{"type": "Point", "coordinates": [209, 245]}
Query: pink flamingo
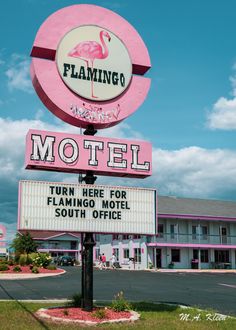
{"type": "Point", "coordinates": [90, 51]}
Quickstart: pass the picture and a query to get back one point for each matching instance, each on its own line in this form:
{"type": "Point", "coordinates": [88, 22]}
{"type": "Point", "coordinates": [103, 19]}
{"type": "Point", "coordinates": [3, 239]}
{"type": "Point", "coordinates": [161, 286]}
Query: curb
{"type": "Point", "coordinates": [29, 276]}
{"type": "Point", "coordinates": [41, 313]}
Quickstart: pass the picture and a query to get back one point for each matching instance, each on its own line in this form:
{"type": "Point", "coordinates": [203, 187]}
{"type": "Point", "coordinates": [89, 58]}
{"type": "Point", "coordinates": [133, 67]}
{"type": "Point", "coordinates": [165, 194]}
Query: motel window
{"type": "Point", "coordinates": [137, 255]}
{"type": "Point", "coordinates": [125, 236]}
{"type": "Point", "coordinates": [97, 238]}
{"type": "Point", "coordinates": [116, 253]}
{"type": "Point", "coordinates": [73, 245]}
{"type": "Point", "coordinates": [160, 230]}
{"type": "Point", "coordinates": [175, 255]}
{"type": "Point", "coordinates": [97, 253]}
{"type": "Point", "coordinates": [115, 237]}
{"type": "Point", "coordinates": [222, 256]}
{"type": "Point", "coordinates": [203, 254]}
{"type": "Point", "coordinates": [204, 232]}
{"type": "Point", "coordinates": [136, 236]}
{"type": "Point", "coordinates": [126, 253]}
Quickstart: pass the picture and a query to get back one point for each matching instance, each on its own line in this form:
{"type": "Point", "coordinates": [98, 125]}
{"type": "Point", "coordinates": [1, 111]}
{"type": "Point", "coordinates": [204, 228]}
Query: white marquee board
{"type": "Point", "coordinates": [54, 206]}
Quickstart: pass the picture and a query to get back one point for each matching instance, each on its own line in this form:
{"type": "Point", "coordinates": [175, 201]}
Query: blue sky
{"type": "Point", "coordinates": [189, 114]}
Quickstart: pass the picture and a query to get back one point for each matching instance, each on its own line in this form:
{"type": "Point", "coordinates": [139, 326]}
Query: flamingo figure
{"type": "Point", "coordinates": [89, 51]}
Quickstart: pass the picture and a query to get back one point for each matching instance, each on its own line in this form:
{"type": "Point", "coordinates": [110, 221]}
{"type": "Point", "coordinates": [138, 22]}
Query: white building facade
{"type": "Point", "coordinates": [192, 233]}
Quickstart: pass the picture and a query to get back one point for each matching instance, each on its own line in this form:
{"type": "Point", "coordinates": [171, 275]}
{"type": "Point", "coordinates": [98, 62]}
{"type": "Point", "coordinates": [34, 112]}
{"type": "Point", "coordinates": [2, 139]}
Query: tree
{"type": "Point", "coordinates": [24, 244]}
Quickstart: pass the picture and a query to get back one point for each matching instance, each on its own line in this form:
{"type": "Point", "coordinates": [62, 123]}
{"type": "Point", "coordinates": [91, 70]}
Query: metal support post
{"type": "Point", "coordinates": [87, 249]}
{"type": "Point", "coordinates": [88, 272]}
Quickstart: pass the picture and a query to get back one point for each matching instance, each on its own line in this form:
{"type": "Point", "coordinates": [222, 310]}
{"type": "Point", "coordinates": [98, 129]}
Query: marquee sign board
{"type": "Point", "coordinates": [88, 66]}
{"type": "Point", "coordinates": [86, 208]}
{"type": "Point", "coordinates": [80, 153]}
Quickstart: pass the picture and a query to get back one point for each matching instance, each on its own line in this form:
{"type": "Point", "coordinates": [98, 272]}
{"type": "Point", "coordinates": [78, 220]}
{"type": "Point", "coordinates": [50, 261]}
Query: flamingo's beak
{"type": "Point", "coordinates": [109, 39]}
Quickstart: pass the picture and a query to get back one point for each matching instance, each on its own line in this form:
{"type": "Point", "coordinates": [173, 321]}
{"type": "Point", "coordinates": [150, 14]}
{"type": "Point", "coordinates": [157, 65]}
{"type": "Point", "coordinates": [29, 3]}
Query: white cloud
{"type": "Point", "coordinates": [223, 113]}
{"type": "Point", "coordinates": [195, 172]}
{"type": "Point", "coordinates": [18, 74]}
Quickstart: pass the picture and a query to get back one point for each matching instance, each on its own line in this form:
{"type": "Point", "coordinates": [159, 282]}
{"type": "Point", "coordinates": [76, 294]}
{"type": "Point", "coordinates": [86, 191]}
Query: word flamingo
{"type": "Point", "coordinates": [90, 51]}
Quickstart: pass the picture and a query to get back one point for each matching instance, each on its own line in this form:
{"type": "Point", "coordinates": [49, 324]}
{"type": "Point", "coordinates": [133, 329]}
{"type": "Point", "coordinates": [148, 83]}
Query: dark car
{"type": "Point", "coordinates": [65, 261]}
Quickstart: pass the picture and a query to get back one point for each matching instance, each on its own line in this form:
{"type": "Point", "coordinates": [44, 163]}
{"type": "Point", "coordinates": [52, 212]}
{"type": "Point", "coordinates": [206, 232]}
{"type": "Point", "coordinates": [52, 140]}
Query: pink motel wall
{"type": "Point", "coordinates": [79, 153]}
{"type": "Point", "coordinates": [62, 70]}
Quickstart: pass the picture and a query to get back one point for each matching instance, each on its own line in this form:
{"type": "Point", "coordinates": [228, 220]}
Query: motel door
{"type": "Point", "coordinates": [158, 258]}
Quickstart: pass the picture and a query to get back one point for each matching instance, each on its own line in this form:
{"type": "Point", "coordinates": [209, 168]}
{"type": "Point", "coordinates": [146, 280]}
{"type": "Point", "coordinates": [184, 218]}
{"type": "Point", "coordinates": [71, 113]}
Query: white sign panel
{"type": "Point", "coordinates": [86, 208]}
{"type": "Point", "coordinates": [94, 63]}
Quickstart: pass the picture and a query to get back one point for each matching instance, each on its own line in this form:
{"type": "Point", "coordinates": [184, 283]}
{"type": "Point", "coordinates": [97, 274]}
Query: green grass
{"type": "Point", "coordinates": [16, 315]}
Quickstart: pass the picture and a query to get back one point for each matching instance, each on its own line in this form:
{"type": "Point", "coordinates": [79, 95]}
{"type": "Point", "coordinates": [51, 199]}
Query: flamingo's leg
{"type": "Point", "coordinates": [95, 97]}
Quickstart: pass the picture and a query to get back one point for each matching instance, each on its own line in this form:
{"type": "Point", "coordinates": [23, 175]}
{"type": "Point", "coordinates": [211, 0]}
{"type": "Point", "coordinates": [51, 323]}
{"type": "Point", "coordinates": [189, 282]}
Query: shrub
{"type": "Point", "coordinates": [10, 262]}
{"type": "Point", "coordinates": [41, 260]}
{"type": "Point", "coordinates": [150, 265]}
{"type": "Point", "coordinates": [65, 312]}
{"type": "Point", "coordinates": [17, 258]}
{"type": "Point", "coordinates": [51, 267]}
{"type": "Point", "coordinates": [100, 313]}
{"type": "Point", "coordinates": [33, 255]}
{"type": "Point", "coordinates": [3, 267]}
{"type": "Point", "coordinates": [29, 260]}
{"type": "Point", "coordinates": [17, 269]}
{"type": "Point", "coordinates": [120, 304]}
{"type": "Point", "coordinates": [76, 300]}
{"type": "Point", "coordinates": [35, 270]}
{"type": "Point", "coordinates": [22, 259]}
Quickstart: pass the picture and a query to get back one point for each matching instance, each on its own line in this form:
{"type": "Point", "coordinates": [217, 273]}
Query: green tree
{"type": "Point", "coordinates": [24, 244]}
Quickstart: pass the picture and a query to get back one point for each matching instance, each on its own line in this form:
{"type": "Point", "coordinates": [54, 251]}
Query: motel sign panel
{"type": "Point", "coordinates": [80, 153]}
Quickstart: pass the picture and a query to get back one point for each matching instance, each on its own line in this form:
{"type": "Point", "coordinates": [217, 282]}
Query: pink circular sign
{"type": "Point", "coordinates": [2, 232]}
{"type": "Point", "coordinates": [88, 66]}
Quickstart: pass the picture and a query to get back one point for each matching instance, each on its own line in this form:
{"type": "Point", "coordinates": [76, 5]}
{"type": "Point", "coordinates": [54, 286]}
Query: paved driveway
{"type": "Point", "coordinates": [217, 291]}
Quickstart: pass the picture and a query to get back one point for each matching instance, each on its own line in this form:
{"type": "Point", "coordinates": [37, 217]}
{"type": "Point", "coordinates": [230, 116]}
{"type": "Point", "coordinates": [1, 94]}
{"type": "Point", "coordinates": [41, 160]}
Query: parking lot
{"type": "Point", "coordinates": [205, 290]}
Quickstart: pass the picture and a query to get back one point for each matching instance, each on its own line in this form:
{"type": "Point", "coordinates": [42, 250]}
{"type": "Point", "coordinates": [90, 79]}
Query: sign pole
{"type": "Point", "coordinates": [87, 249]}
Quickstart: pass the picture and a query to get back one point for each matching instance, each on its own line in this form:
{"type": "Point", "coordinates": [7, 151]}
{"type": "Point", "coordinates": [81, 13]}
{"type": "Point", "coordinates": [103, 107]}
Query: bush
{"type": "Point", "coordinates": [150, 265]}
{"type": "Point", "coordinates": [35, 270]}
{"type": "Point", "coordinates": [10, 262]}
{"type": "Point", "coordinates": [32, 256]}
{"type": "Point", "coordinates": [41, 260]}
{"type": "Point", "coordinates": [17, 269]}
{"type": "Point", "coordinates": [76, 300]}
{"type": "Point", "coordinates": [3, 267]}
{"type": "Point", "coordinates": [65, 312]}
{"type": "Point", "coordinates": [51, 267]}
{"type": "Point", "coordinates": [22, 259]}
{"type": "Point", "coordinates": [100, 313]}
{"type": "Point", "coordinates": [120, 304]}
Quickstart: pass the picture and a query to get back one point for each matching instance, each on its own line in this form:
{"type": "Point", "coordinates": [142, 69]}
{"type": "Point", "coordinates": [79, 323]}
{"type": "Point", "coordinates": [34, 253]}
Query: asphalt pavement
{"type": "Point", "coordinates": [204, 290]}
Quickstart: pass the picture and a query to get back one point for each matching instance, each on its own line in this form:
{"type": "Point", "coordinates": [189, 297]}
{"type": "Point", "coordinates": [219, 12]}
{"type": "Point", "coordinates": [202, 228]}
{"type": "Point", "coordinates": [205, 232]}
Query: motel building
{"type": "Point", "coordinates": [192, 233]}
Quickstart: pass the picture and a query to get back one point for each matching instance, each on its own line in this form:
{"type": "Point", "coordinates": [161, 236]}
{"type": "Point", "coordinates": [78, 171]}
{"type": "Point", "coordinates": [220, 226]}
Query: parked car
{"type": "Point", "coordinates": [65, 261]}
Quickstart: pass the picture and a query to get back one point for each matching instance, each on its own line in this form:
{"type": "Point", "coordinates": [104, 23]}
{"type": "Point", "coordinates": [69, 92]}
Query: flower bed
{"type": "Point", "coordinates": [77, 315]}
{"type": "Point", "coordinates": [27, 270]}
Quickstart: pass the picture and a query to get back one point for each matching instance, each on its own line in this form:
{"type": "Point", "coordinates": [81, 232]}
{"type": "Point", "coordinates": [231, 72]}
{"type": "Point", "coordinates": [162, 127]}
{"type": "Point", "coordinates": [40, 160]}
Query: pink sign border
{"type": "Point", "coordinates": [58, 98]}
